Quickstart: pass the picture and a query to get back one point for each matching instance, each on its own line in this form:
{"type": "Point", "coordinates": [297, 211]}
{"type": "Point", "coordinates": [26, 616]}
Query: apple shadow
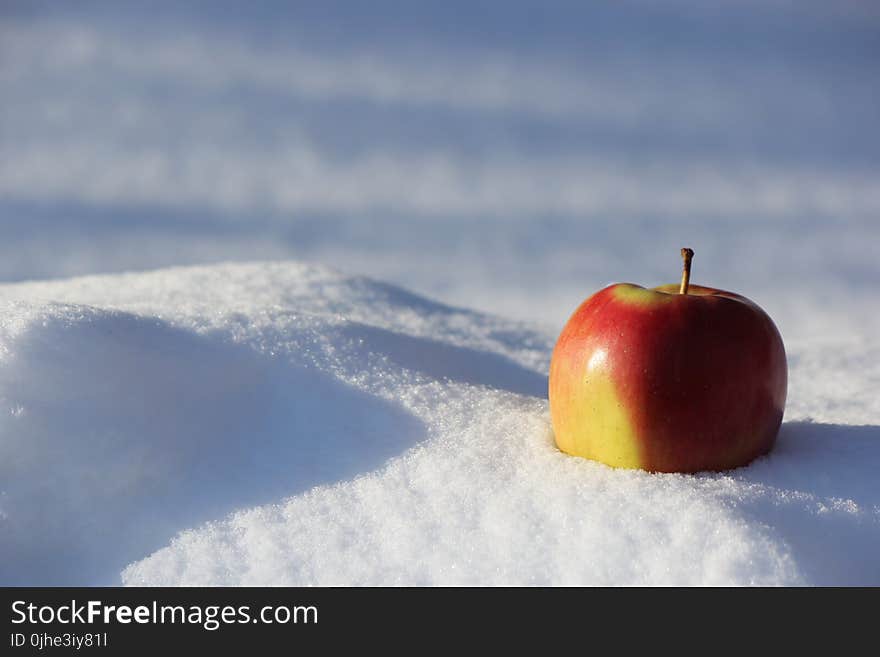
{"type": "Point", "coordinates": [118, 431]}
{"type": "Point", "coordinates": [824, 501]}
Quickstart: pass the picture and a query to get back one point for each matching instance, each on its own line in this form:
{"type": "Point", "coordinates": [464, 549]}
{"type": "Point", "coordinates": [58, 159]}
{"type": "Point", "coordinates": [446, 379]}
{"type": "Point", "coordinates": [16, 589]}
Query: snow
{"type": "Point", "coordinates": [283, 423]}
{"type": "Point", "coordinates": [358, 233]}
{"type": "Point", "coordinates": [496, 162]}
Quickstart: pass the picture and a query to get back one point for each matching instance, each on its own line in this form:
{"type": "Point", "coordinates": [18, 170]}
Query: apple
{"type": "Point", "coordinates": [676, 378]}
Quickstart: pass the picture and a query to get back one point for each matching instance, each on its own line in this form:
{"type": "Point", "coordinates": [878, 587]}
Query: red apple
{"type": "Point", "coordinates": [669, 379]}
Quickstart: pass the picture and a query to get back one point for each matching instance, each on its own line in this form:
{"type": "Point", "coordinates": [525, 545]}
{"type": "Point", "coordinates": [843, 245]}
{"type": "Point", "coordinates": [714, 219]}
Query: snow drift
{"type": "Point", "coordinates": [285, 424]}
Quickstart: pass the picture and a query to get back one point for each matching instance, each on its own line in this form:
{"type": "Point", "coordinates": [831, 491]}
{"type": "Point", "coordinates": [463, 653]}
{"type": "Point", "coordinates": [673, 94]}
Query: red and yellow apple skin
{"type": "Point", "coordinates": [668, 382]}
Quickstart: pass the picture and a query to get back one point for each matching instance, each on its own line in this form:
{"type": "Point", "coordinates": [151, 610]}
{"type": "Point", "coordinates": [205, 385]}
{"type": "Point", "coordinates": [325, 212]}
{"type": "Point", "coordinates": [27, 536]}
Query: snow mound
{"type": "Point", "coordinates": [280, 423]}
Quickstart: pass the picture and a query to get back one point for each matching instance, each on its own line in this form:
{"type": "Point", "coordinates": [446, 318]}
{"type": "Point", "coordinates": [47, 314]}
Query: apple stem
{"type": "Point", "coordinates": [686, 255]}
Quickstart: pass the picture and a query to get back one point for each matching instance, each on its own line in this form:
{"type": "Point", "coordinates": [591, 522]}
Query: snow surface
{"type": "Point", "coordinates": [298, 425]}
{"type": "Point", "coordinates": [283, 423]}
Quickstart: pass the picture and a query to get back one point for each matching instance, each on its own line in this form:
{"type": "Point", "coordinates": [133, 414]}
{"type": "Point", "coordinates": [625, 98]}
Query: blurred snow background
{"type": "Point", "coordinates": [510, 157]}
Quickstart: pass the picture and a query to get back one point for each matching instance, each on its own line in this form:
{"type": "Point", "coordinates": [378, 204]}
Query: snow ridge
{"type": "Point", "coordinates": [282, 423]}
